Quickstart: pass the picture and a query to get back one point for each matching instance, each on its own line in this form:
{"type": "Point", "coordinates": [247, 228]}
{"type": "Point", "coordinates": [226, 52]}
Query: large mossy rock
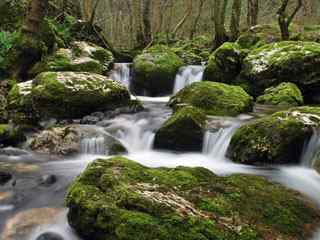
{"type": "Point", "coordinates": [259, 35]}
{"type": "Point", "coordinates": [183, 131]}
{"type": "Point", "coordinates": [285, 94]}
{"type": "Point", "coordinates": [72, 94]}
{"type": "Point", "coordinates": [120, 199]}
{"type": "Point", "coordinates": [20, 107]}
{"type": "Point", "coordinates": [213, 98]}
{"type": "Point", "coordinates": [297, 62]}
{"type": "Point", "coordinates": [10, 135]}
{"type": "Point", "coordinates": [155, 70]}
{"type": "Point", "coordinates": [81, 57]}
{"type": "Point", "coordinates": [275, 139]}
{"type": "Point", "coordinates": [224, 64]}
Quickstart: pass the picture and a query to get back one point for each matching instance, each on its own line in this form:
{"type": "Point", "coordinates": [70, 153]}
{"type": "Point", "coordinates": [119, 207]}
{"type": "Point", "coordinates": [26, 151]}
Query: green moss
{"type": "Point", "coordinates": [224, 63]}
{"type": "Point", "coordinates": [155, 70]}
{"type": "Point", "coordinates": [213, 98]}
{"type": "Point", "coordinates": [72, 94]}
{"type": "Point", "coordinates": [275, 139]}
{"type": "Point", "coordinates": [10, 135]}
{"type": "Point", "coordinates": [296, 62]}
{"type": "Point", "coordinates": [120, 199]}
{"type": "Point", "coordinates": [183, 131]}
{"type": "Point", "coordinates": [12, 13]}
{"type": "Point", "coordinates": [287, 94]}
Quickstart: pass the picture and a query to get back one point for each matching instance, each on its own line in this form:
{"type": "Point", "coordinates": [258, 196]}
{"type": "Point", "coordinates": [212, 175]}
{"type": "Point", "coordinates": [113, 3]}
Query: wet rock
{"type": "Point", "coordinates": [121, 199]}
{"type": "Point", "coordinates": [23, 223]}
{"type": "Point", "coordinates": [183, 131]}
{"type": "Point", "coordinates": [48, 180]}
{"type": "Point", "coordinates": [288, 61]}
{"type": "Point", "coordinates": [10, 151]}
{"type": "Point", "coordinates": [155, 70]}
{"type": "Point", "coordinates": [67, 95]}
{"type": "Point", "coordinates": [213, 98]}
{"type": "Point", "coordinates": [5, 177]}
{"type": "Point", "coordinates": [69, 140]}
{"type": "Point", "coordinates": [50, 236]}
{"type": "Point", "coordinates": [90, 120]}
{"type": "Point", "coordinates": [10, 135]}
{"type": "Point", "coordinates": [275, 139]}
{"type": "Point", "coordinates": [81, 57]}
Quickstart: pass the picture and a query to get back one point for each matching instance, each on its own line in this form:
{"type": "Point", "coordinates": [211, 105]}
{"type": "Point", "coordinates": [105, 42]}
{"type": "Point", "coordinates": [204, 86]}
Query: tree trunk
{"type": "Point", "coordinates": [146, 19]}
{"type": "Point", "coordinates": [285, 19]}
{"type": "Point", "coordinates": [219, 18]}
{"type": "Point", "coordinates": [196, 21]}
{"type": "Point", "coordinates": [183, 19]}
{"type": "Point", "coordinates": [235, 20]}
{"type": "Point", "coordinates": [34, 18]}
{"type": "Point", "coordinates": [253, 12]}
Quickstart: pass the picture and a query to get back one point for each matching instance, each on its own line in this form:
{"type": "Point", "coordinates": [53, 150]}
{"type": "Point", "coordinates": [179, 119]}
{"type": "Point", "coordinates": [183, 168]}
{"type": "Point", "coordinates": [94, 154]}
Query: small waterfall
{"type": "Point", "coordinates": [311, 149]}
{"type": "Point", "coordinates": [188, 75]}
{"type": "Point", "coordinates": [215, 144]}
{"type": "Point", "coordinates": [93, 145]}
{"type": "Point", "coordinates": [121, 73]}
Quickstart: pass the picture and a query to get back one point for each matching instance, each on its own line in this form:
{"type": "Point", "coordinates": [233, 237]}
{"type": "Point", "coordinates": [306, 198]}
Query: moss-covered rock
{"type": "Point", "coordinates": [259, 35]}
{"type": "Point", "coordinates": [76, 94]}
{"type": "Point", "coordinates": [285, 94]}
{"type": "Point", "coordinates": [155, 70]}
{"type": "Point", "coordinates": [10, 135]}
{"type": "Point", "coordinates": [297, 62]}
{"type": "Point", "coordinates": [183, 131]}
{"type": "Point", "coordinates": [213, 98]}
{"type": "Point", "coordinates": [309, 33]}
{"type": "Point", "coordinates": [274, 139]}
{"type": "Point", "coordinates": [20, 107]}
{"type": "Point", "coordinates": [224, 64]}
{"type": "Point", "coordinates": [120, 199]}
{"type": "Point", "coordinates": [82, 57]}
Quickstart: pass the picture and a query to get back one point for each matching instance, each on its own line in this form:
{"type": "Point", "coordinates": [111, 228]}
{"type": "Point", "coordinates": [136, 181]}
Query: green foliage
{"type": "Point", "coordinates": [7, 42]}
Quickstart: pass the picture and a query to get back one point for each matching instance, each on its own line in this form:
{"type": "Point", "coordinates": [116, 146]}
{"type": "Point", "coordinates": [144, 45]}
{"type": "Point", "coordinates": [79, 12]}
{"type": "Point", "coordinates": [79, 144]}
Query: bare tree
{"type": "Point", "coordinates": [196, 20]}
{"type": "Point", "coordinates": [183, 19]}
{"type": "Point", "coordinates": [34, 18]}
{"type": "Point", "coordinates": [253, 12]}
{"type": "Point", "coordinates": [235, 20]}
{"type": "Point", "coordinates": [146, 19]}
{"type": "Point", "coordinates": [285, 19]}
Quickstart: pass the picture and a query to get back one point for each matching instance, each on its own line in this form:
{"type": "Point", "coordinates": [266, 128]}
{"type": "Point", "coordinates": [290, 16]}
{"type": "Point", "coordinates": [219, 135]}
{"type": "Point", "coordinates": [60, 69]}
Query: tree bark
{"type": "Point", "coordinates": [219, 19]}
{"type": "Point", "coordinates": [285, 20]}
{"type": "Point", "coordinates": [196, 21]}
{"type": "Point", "coordinates": [146, 19]}
{"type": "Point", "coordinates": [235, 20]}
{"type": "Point", "coordinates": [253, 12]}
{"type": "Point", "coordinates": [34, 18]}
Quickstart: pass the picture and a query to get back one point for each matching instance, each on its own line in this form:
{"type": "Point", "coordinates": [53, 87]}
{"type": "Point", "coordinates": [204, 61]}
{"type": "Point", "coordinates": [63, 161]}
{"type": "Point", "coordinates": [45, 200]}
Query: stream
{"type": "Point", "coordinates": [28, 190]}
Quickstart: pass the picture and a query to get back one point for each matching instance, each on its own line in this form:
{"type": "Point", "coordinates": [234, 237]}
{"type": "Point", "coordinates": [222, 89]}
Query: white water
{"type": "Point", "coordinates": [93, 145]}
{"type": "Point", "coordinates": [311, 150]}
{"type": "Point", "coordinates": [136, 132]}
{"type": "Point", "coordinates": [121, 73]}
{"type": "Point", "coordinates": [188, 75]}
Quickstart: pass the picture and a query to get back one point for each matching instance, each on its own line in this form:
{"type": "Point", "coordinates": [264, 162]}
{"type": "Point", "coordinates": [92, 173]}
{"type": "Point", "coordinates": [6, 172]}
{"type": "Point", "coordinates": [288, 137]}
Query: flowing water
{"type": "Point", "coordinates": [121, 73]}
{"type": "Point", "coordinates": [188, 75]}
{"type": "Point", "coordinates": [136, 132]}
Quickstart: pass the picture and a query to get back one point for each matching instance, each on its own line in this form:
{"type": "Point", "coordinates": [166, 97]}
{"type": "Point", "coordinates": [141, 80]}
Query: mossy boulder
{"type": "Point", "coordinates": [224, 64]}
{"type": "Point", "coordinates": [20, 107]}
{"type": "Point", "coordinates": [155, 70]}
{"type": "Point", "coordinates": [309, 33]}
{"type": "Point", "coordinates": [259, 35]}
{"type": "Point", "coordinates": [120, 199]}
{"type": "Point", "coordinates": [10, 135]}
{"type": "Point", "coordinates": [183, 131]}
{"type": "Point", "coordinates": [76, 94]}
{"type": "Point", "coordinates": [213, 98]}
{"type": "Point", "coordinates": [274, 139]}
{"type": "Point", "coordinates": [296, 62]}
{"type": "Point", "coordinates": [285, 94]}
{"type": "Point", "coordinates": [82, 57]}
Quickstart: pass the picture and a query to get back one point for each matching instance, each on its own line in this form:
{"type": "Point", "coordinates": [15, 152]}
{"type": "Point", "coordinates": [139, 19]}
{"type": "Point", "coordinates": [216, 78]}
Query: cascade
{"type": "Point", "coordinates": [93, 145]}
{"type": "Point", "coordinates": [215, 144]}
{"type": "Point", "coordinates": [188, 75]}
{"type": "Point", "coordinates": [121, 73]}
{"type": "Point", "coordinates": [311, 149]}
